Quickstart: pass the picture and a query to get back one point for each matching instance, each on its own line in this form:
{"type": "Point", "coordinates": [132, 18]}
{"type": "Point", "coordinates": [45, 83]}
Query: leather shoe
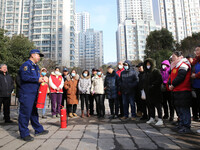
{"type": "Point", "coordinates": [28, 138]}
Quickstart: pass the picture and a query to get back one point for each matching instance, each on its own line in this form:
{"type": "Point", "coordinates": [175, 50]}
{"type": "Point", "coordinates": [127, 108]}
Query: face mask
{"type": "Point", "coordinates": [85, 74]}
{"type": "Point", "coordinates": [57, 72]}
{"type": "Point", "coordinates": [43, 73]}
{"type": "Point", "coordinates": [148, 67]}
{"type": "Point", "coordinates": [120, 66]}
{"type": "Point", "coordinates": [164, 66]}
{"type": "Point", "coordinates": [98, 73]}
{"type": "Point", "coordinates": [126, 67]}
{"type": "Point", "coordinates": [73, 74]}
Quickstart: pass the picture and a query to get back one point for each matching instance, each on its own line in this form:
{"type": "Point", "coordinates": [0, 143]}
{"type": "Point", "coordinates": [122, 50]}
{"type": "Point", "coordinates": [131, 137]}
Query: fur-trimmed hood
{"type": "Point", "coordinates": [152, 62]}
{"type": "Point", "coordinates": [88, 77]}
{"type": "Point", "coordinates": [69, 77]}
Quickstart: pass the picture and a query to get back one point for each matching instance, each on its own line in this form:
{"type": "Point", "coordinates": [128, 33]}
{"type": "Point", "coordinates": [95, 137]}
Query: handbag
{"type": "Point", "coordinates": [143, 95]}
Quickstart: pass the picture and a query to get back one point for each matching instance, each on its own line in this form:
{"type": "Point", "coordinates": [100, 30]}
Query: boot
{"type": "Point", "coordinates": [160, 122]}
{"type": "Point", "coordinates": [88, 113]}
{"type": "Point", "coordinates": [71, 115]}
{"type": "Point", "coordinates": [82, 114]}
{"type": "Point", "coordinates": [152, 120]}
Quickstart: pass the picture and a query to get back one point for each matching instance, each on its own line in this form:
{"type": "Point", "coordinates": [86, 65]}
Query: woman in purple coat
{"type": "Point", "coordinates": [165, 71]}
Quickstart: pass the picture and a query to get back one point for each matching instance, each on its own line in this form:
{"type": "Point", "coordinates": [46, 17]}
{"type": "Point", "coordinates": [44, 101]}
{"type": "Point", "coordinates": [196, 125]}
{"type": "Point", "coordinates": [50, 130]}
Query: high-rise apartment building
{"type": "Point", "coordinates": [135, 22]}
{"type": "Point", "coordinates": [50, 24]}
{"type": "Point", "coordinates": [181, 17]}
{"type": "Point", "coordinates": [91, 49]}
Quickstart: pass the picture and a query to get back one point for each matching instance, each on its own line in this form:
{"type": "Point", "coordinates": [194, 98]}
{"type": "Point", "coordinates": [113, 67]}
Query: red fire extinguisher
{"type": "Point", "coordinates": [42, 95]}
{"type": "Point", "coordinates": [63, 118]}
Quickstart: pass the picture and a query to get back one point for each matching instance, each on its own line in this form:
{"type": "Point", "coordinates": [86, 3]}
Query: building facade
{"type": "Point", "coordinates": [181, 17]}
{"type": "Point", "coordinates": [135, 22]}
{"type": "Point", "coordinates": [50, 24]}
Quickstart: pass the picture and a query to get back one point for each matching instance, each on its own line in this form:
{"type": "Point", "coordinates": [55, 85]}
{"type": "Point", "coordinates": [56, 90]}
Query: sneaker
{"type": "Point", "coordinates": [139, 114]}
{"type": "Point", "coordinates": [198, 131]}
{"type": "Point", "coordinates": [151, 120]}
{"type": "Point", "coordinates": [44, 132]}
{"type": "Point", "coordinates": [8, 121]}
{"type": "Point", "coordinates": [28, 138]}
{"type": "Point", "coordinates": [165, 117]}
{"type": "Point", "coordinates": [124, 118]}
{"type": "Point", "coordinates": [71, 115]}
{"type": "Point", "coordinates": [184, 131]}
{"type": "Point", "coordinates": [133, 118]}
{"type": "Point", "coordinates": [75, 115]}
{"type": "Point", "coordinates": [159, 123]}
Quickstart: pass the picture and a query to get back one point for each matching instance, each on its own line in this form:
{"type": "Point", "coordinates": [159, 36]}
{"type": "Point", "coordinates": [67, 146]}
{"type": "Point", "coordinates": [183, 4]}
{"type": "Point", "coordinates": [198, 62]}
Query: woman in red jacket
{"type": "Point", "coordinates": [180, 85]}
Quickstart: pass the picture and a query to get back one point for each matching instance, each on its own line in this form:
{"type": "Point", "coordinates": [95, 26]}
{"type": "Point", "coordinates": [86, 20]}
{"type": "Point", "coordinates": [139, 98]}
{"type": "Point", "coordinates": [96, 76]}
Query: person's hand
{"type": "Point", "coordinates": [171, 87]}
{"type": "Point", "coordinates": [193, 76]}
{"type": "Point", "coordinates": [41, 79]}
{"type": "Point", "coordinates": [58, 89]}
{"type": "Point", "coordinates": [105, 88]}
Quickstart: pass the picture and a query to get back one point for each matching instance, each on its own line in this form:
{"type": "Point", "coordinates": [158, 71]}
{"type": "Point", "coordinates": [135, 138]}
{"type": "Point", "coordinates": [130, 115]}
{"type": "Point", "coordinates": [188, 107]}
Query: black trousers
{"type": "Point", "coordinates": [151, 108]}
{"type": "Point", "coordinates": [6, 107]}
{"type": "Point", "coordinates": [84, 99]}
{"type": "Point", "coordinates": [121, 107]}
{"type": "Point", "coordinates": [72, 108]}
{"type": "Point", "coordinates": [64, 99]}
{"type": "Point", "coordinates": [144, 107]}
{"type": "Point", "coordinates": [114, 105]}
{"type": "Point", "coordinates": [167, 104]}
{"type": "Point", "coordinates": [100, 104]}
{"type": "Point", "coordinates": [92, 98]}
{"type": "Point", "coordinates": [196, 104]}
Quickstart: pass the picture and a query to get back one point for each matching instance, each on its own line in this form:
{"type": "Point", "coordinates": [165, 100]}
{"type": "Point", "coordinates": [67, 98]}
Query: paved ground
{"type": "Point", "coordinates": [94, 134]}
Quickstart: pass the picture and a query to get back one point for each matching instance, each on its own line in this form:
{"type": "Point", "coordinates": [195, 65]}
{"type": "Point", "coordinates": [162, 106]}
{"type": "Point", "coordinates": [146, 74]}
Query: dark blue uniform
{"type": "Point", "coordinates": [29, 75]}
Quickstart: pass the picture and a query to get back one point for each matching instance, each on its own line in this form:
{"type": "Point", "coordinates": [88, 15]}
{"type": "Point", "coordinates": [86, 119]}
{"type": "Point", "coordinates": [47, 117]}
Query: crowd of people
{"type": "Point", "coordinates": [175, 88]}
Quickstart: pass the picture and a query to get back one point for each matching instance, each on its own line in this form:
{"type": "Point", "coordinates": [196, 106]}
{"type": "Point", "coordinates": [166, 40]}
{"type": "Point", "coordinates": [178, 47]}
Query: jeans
{"type": "Point", "coordinates": [100, 104]}
{"type": "Point", "coordinates": [184, 116]}
{"type": "Point", "coordinates": [128, 99]}
{"type": "Point", "coordinates": [84, 99]}
{"type": "Point", "coordinates": [72, 108]}
{"type": "Point", "coordinates": [6, 107]}
{"type": "Point", "coordinates": [114, 105]}
{"type": "Point", "coordinates": [44, 109]}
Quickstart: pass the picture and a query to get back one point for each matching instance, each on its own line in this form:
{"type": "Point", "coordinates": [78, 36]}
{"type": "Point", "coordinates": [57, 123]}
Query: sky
{"type": "Point", "coordinates": [103, 17]}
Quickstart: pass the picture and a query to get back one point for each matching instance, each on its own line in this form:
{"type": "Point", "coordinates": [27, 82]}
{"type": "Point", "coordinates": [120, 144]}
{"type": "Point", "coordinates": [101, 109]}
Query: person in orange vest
{"type": "Point", "coordinates": [56, 83]}
{"type": "Point", "coordinates": [43, 73]}
{"type": "Point", "coordinates": [180, 85]}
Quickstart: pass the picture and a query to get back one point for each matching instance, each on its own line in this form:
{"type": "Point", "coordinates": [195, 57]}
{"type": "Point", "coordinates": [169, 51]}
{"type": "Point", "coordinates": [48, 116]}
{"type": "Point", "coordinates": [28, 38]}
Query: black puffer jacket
{"type": "Point", "coordinates": [152, 83]}
{"type": "Point", "coordinates": [128, 80]}
{"type": "Point", "coordinates": [112, 84]}
{"type": "Point", "coordinates": [6, 85]}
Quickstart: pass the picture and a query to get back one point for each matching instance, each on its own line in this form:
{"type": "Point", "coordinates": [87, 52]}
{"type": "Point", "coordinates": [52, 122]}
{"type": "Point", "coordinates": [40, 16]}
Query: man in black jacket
{"type": "Point", "coordinates": [128, 86]}
{"type": "Point", "coordinates": [6, 88]}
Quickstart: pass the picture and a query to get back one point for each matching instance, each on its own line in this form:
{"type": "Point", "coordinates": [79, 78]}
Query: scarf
{"type": "Point", "coordinates": [174, 63]}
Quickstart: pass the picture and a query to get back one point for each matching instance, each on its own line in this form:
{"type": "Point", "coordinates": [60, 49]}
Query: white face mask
{"type": "Point", "coordinates": [120, 66]}
{"type": "Point", "coordinates": [148, 67]}
{"type": "Point", "coordinates": [164, 66]}
{"type": "Point", "coordinates": [57, 72]}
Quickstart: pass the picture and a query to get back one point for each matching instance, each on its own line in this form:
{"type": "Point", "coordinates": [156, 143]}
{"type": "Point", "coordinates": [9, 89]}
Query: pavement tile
{"type": "Point", "coordinates": [91, 134]}
{"type": "Point", "coordinates": [92, 127]}
{"type": "Point", "coordinates": [79, 127]}
{"type": "Point", "coordinates": [75, 134]}
{"type": "Point", "coordinates": [87, 144]}
{"type": "Point", "coordinates": [32, 145]}
{"type": "Point", "coordinates": [69, 144]}
{"type": "Point", "coordinates": [106, 144]}
{"type": "Point", "coordinates": [121, 133]}
{"type": "Point", "coordinates": [144, 143]}
{"type": "Point", "coordinates": [126, 143]}
{"type": "Point", "coordinates": [105, 127]}
{"type": "Point", "coordinates": [60, 134]}
{"type": "Point", "coordinates": [50, 144]}
{"type": "Point", "coordinates": [14, 144]}
{"type": "Point", "coordinates": [106, 134]}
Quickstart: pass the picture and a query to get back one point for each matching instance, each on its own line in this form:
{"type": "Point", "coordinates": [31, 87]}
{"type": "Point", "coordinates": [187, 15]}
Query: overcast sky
{"type": "Point", "coordinates": [103, 16]}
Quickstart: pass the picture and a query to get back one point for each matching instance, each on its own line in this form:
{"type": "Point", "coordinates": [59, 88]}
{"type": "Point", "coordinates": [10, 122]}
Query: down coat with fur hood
{"type": "Point", "coordinates": [71, 85]}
